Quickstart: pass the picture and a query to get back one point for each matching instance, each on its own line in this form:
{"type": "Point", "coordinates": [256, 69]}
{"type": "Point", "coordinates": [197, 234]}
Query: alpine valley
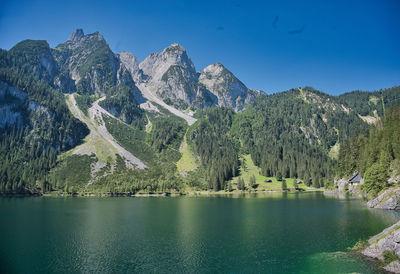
{"type": "Point", "coordinates": [81, 119]}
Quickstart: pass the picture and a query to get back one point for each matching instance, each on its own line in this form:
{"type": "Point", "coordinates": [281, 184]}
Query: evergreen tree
{"type": "Point", "coordinates": [279, 176]}
{"type": "Point", "coordinates": [284, 185]}
{"type": "Point", "coordinates": [252, 182]}
{"type": "Point", "coordinates": [373, 154]}
{"type": "Point", "coordinates": [229, 187]}
{"type": "Point", "coordinates": [241, 184]}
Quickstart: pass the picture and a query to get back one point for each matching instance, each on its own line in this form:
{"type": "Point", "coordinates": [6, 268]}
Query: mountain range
{"type": "Point", "coordinates": [81, 118]}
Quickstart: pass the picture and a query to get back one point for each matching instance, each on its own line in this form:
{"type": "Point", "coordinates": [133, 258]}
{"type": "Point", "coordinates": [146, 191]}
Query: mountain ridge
{"type": "Point", "coordinates": [150, 108]}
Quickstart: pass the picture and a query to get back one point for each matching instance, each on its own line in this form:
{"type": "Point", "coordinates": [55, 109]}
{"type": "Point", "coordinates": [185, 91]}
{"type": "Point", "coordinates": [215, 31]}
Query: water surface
{"type": "Point", "coordinates": [275, 233]}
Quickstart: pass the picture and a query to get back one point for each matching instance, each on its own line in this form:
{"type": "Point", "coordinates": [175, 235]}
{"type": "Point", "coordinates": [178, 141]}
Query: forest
{"type": "Point", "coordinates": [375, 154]}
{"type": "Point", "coordinates": [301, 134]}
{"type": "Point", "coordinates": [28, 150]}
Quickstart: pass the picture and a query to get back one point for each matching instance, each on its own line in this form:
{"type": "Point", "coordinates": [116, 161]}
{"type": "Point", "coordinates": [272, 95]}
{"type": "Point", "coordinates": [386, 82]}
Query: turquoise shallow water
{"type": "Point", "coordinates": [270, 233]}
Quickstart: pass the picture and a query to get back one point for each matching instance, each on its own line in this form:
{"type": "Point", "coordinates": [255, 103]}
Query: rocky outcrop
{"type": "Point", "coordinates": [12, 102]}
{"type": "Point", "coordinates": [87, 64]}
{"type": "Point", "coordinates": [132, 65]}
{"type": "Point", "coordinates": [388, 240]}
{"type": "Point", "coordinates": [393, 267]}
{"type": "Point", "coordinates": [171, 75]}
{"type": "Point", "coordinates": [159, 63]}
{"type": "Point", "coordinates": [387, 199]}
{"type": "Point", "coordinates": [344, 186]}
{"type": "Point", "coordinates": [76, 35]}
{"type": "Point", "coordinates": [229, 90]}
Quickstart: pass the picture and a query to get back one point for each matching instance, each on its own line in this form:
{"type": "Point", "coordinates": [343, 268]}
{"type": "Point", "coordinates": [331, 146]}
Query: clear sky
{"type": "Point", "coordinates": [334, 46]}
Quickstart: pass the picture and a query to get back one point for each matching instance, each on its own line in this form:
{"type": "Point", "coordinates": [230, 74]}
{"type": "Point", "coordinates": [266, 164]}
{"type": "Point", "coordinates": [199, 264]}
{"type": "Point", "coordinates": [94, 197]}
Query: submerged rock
{"type": "Point", "coordinates": [388, 199]}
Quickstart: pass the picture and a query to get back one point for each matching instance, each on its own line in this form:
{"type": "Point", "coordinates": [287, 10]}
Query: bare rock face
{"type": "Point", "coordinates": [393, 267]}
{"type": "Point", "coordinates": [10, 113]}
{"type": "Point", "coordinates": [76, 35]}
{"type": "Point", "coordinates": [388, 199]}
{"type": "Point", "coordinates": [341, 184]}
{"type": "Point", "coordinates": [158, 63]}
{"type": "Point", "coordinates": [91, 66]}
{"type": "Point", "coordinates": [388, 239]}
{"type": "Point", "coordinates": [132, 65]}
{"type": "Point", "coordinates": [230, 91]}
{"type": "Point", "coordinates": [172, 76]}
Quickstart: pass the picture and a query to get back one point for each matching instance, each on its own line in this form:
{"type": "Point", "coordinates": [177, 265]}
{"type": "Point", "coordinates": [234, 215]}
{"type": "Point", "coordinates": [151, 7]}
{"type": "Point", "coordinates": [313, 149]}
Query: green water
{"type": "Point", "coordinates": [272, 233]}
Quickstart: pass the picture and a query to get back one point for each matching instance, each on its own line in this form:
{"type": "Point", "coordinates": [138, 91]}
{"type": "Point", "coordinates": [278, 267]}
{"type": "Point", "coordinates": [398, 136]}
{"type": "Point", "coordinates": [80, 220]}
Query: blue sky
{"type": "Point", "coordinates": [334, 46]}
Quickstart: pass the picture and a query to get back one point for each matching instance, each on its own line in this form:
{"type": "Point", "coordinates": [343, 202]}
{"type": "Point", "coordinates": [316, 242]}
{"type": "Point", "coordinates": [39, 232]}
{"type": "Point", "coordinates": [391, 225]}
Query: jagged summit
{"type": "Point", "coordinates": [176, 48]}
{"type": "Point", "coordinates": [76, 35]}
{"type": "Point", "coordinates": [130, 61]}
{"type": "Point", "coordinates": [158, 63]}
{"type": "Point", "coordinates": [216, 69]}
{"type": "Point", "coordinates": [85, 63]}
{"type": "Point", "coordinates": [224, 84]}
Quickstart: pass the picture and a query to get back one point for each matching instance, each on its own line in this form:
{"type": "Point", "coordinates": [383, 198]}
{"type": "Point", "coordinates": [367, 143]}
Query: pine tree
{"type": "Point", "coordinates": [241, 184]}
{"type": "Point", "coordinates": [229, 187]}
{"type": "Point", "coordinates": [279, 176]}
{"type": "Point", "coordinates": [307, 180]}
{"type": "Point", "coordinates": [252, 182]}
{"type": "Point", "coordinates": [284, 185]}
{"type": "Point", "coordinates": [316, 182]}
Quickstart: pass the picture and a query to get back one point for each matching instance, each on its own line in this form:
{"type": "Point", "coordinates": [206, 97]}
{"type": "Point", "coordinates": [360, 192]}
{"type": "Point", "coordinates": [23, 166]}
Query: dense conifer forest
{"type": "Point", "coordinates": [29, 149]}
{"type": "Point", "coordinates": [216, 146]}
{"type": "Point", "coordinates": [375, 154]}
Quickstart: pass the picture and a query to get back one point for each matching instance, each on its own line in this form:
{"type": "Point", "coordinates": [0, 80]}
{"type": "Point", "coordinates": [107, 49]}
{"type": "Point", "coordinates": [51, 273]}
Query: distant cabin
{"type": "Point", "coordinates": [355, 179]}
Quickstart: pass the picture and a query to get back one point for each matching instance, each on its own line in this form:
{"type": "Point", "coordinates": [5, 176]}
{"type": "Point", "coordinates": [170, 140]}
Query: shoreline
{"type": "Point", "coordinates": [380, 248]}
{"type": "Point", "coordinates": [202, 193]}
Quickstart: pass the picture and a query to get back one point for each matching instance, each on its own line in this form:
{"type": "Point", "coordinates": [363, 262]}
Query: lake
{"type": "Point", "coordinates": [275, 233]}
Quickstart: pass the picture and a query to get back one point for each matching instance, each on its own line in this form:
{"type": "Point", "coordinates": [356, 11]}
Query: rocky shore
{"type": "Point", "coordinates": [386, 247]}
{"type": "Point", "coordinates": [387, 199]}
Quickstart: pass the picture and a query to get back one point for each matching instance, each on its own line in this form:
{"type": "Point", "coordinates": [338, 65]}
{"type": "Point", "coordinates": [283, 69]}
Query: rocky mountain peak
{"type": "Point", "coordinates": [159, 63]}
{"type": "Point", "coordinates": [218, 74]}
{"type": "Point", "coordinates": [174, 48]}
{"type": "Point", "coordinates": [215, 70]}
{"type": "Point", "coordinates": [229, 90]}
{"type": "Point", "coordinates": [97, 35]}
{"type": "Point", "coordinates": [130, 61]}
{"type": "Point", "coordinates": [76, 35]}
{"type": "Point", "coordinates": [175, 54]}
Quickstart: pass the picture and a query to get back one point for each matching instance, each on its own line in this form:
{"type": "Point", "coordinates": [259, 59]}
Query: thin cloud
{"type": "Point", "coordinates": [275, 22]}
{"type": "Point", "coordinates": [297, 31]}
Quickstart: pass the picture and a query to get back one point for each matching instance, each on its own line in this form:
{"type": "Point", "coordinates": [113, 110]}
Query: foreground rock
{"type": "Point", "coordinates": [387, 199]}
{"type": "Point", "coordinates": [386, 241]}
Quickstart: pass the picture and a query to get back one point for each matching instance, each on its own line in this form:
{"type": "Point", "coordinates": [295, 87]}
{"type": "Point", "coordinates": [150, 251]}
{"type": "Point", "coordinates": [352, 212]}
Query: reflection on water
{"type": "Point", "coordinates": [272, 232]}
